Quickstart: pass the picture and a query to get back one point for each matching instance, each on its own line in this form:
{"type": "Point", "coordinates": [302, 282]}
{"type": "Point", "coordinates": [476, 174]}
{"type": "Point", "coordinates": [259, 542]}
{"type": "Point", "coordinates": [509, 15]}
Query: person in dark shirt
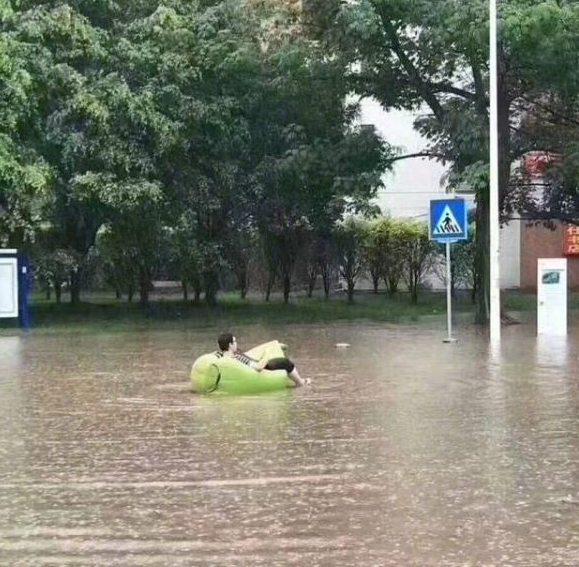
{"type": "Point", "coordinates": [228, 347]}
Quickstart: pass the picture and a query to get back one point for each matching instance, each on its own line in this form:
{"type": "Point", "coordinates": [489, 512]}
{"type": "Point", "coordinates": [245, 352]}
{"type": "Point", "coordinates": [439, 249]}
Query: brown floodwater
{"type": "Point", "coordinates": [404, 452]}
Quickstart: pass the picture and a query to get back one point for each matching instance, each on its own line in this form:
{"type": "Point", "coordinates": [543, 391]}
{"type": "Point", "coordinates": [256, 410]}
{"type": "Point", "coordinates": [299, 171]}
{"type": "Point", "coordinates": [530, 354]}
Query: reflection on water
{"type": "Point", "coordinates": [404, 452]}
{"type": "Point", "coordinates": [10, 357]}
{"type": "Point", "coordinates": [552, 351]}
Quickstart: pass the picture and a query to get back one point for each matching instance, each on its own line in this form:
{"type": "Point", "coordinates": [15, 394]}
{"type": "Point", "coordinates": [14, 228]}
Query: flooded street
{"type": "Point", "coordinates": [404, 452]}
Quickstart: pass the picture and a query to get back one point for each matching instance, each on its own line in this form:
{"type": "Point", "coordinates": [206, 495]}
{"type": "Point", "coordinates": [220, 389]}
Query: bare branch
{"type": "Point", "coordinates": [431, 155]}
{"type": "Point", "coordinates": [451, 89]}
{"type": "Point", "coordinates": [556, 115]}
{"type": "Point", "coordinates": [547, 216]}
{"type": "Point", "coordinates": [411, 70]}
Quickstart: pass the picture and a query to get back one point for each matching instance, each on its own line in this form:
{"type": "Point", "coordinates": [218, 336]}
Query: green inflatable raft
{"type": "Point", "coordinates": [213, 374]}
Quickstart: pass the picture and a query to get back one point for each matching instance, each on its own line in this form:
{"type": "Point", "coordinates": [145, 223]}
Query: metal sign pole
{"type": "Point", "coordinates": [450, 338]}
{"type": "Point", "coordinates": [448, 223]}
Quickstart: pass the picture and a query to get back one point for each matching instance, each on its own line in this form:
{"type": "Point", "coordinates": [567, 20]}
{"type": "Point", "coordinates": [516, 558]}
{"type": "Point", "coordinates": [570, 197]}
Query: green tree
{"type": "Point", "coordinates": [54, 267]}
{"type": "Point", "coordinates": [62, 50]}
{"type": "Point", "coordinates": [24, 175]}
{"type": "Point", "coordinates": [136, 213]}
{"type": "Point", "coordinates": [418, 254]}
{"type": "Point", "coordinates": [463, 274]}
{"type": "Point", "coordinates": [118, 262]}
{"type": "Point", "coordinates": [350, 238]}
{"type": "Point", "coordinates": [392, 240]}
{"type": "Point", "coordinates": [538, 86]}
{"type": "Point", "coordinates": [424, 56]}
{"type": "Point", "coordinates": [185, 254]}
{"type": "Point", "coordinates": [195, 120]}
{"type": "Point", "coordinates": [384, 252]}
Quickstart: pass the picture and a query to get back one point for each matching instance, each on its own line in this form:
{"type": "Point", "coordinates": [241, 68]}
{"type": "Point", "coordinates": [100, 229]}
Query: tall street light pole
{"type": "Point", "coordinates": [495, 287]}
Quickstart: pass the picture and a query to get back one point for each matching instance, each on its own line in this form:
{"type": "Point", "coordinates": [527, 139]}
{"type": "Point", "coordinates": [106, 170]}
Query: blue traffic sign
{"type": "Point", "coordinates": [448, 220]}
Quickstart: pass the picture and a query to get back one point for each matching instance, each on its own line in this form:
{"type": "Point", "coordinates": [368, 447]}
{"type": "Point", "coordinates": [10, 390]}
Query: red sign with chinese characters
{"type": "Point", "coordinates": [571, 241]}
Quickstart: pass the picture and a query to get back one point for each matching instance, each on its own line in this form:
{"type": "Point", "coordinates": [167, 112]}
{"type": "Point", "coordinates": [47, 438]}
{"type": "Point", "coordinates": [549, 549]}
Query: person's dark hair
{"type": "Point", "coordinates": [224, 340]}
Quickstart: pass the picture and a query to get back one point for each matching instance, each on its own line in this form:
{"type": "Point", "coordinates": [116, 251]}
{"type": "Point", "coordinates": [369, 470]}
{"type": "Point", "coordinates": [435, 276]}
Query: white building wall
{"type": "Point", "coordinates": [510, 247]}
{"type": "Point", "coordinates": [412, 182]}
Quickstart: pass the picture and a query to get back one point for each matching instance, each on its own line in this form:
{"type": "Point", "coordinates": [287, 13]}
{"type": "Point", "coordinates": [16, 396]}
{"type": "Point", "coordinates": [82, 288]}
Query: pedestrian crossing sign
{"type": "Point", "coordinates": [448, 220]}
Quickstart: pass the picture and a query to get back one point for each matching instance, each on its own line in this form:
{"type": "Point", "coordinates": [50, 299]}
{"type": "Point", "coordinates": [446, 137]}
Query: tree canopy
{"type": "Point", "coordinates": [431, 58]}
{"type": "Point", "coordinates": [539, 109]}
{"type": "Point", "coordinates": [167, 117]}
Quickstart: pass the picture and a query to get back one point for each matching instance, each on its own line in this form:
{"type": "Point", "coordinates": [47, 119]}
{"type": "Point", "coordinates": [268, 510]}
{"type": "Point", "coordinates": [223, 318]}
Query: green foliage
{"type": "Point", "coordinates": [421, 55]}
{"type": "Point", "coordinates": [539, 92]}
{"type": "Point", "coordinates": [463, 265]}
{"type": "Point", "coordinates": [384, 251]}
{"type": "Point", "coordinates": [417, 251]}
{"type": "Point", "coordinates": [542, 38]}
{"type": "Point", "coordinates": [127, 123]}
{"type": "Point", "coordinates": [54, 268]}
{"type": "Point", "coordinates": [24, 174]}
{"type": "Point", "coordinates": [118, 262]}
{"type": "Point", "coordinates": [350, 242]}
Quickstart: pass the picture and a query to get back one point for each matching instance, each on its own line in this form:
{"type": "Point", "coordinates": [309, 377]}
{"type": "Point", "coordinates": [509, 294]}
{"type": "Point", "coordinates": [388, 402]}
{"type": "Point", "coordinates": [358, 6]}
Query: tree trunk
{"type": "Point", "coordinates": [211, 279]}
{"type": "Point", "coordinates": [351, 287]}
{"type": "Point", "coordinates": [144, 281]}
{"type": "Point", "coordinates": [504, 128]}
{"type": "Point", "coordinates": [130, 293]}
{"type": "Point", "coordinates": [327, 284]}
{"type": "Point", "coordinates": [118, 281]}
{"type": "Point", "coordinates": [243, 282]}
{"type": "Point", "coordinates": [58, 291]}
{"type": "Point", "coordinates": [311, 284]}
{"type": "Point", "coordinates": [375, 283]}
{"type": "Point", "coordinates": [482, 258]}
{"type": "Point", "coordinates": [312, 277]}
{"type": "Point", "coordinates": [326, 278]}
{"type": "Point", "coordinates": [75, 286]}
{"type": "Point", "coordinates": [269, 287]}
{"type": "Point", "coordinates": [198, 289]}
{"type": "Point", "coordinates": [185, 290]}
{"type": "Point", "coordinates": [387, 284]}
{"type": "Point", "coordinates": [47, 291]}
{"type": "Point", "coordinates": [286, 288]}
{"type": "Point", "coordinates": [414, 278]}
{"type": "Point", "coordinates": [392, 284]}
